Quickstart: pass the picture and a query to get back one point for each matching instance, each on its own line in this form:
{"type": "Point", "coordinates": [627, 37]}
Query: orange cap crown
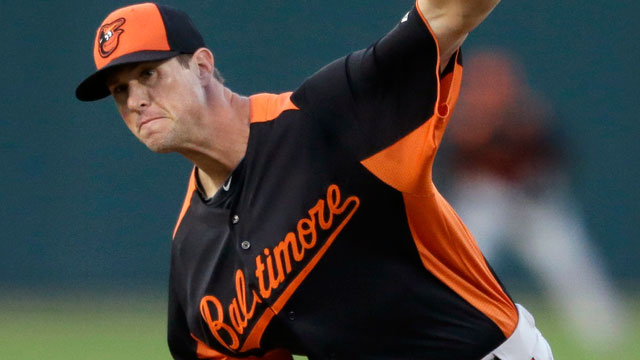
{"type": "Point", "coordinates": [128, 30]}
{"type": "Point", "coordinates": [135, 33]}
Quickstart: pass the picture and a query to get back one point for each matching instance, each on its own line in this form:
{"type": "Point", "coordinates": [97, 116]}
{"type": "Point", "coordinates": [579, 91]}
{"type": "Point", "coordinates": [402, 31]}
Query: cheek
{"type": "Point", "coordinates": [186, 101]}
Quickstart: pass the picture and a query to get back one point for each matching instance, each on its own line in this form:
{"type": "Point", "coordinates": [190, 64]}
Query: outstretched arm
{"type": "Point", "coordinates": [452, 20]}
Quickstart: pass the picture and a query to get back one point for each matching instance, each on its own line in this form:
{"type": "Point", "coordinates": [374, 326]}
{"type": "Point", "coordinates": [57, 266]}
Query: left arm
{"type": "Point", "coordinates": [452, 20]}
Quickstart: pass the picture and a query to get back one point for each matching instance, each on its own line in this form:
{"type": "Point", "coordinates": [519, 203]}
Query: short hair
{"type": "Point", "coordinates": [184, 59]}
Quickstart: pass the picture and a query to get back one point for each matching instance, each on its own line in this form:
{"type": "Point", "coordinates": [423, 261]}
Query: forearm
{"type": "Point", "coordinates": [452, 20]}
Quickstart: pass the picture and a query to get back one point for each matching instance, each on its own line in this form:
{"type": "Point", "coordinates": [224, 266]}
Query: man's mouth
{"type": "Point", "coordinates": [147, 120]}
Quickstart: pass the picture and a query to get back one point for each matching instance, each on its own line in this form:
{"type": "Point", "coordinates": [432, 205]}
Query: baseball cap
{"type": "Point", "coordinates": [141, 32]}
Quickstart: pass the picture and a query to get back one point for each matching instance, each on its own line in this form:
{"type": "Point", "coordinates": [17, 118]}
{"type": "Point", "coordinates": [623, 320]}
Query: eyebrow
{"type": "Point", "coordinates": [110, 77]}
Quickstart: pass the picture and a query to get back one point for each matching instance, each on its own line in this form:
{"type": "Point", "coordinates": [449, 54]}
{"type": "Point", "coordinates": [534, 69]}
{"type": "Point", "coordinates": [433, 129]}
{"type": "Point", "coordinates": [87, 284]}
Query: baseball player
{"type": "Point", "coordinates": [311, 225]}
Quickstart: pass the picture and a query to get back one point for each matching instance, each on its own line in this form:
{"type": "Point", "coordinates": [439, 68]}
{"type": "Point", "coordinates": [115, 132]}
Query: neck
{"type": "Point", "coordinates": [226, 142]}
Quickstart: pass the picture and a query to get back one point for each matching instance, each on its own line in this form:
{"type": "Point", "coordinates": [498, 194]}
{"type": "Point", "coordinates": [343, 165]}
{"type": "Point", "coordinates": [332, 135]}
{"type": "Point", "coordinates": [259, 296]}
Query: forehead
{"type": "Point", "coordinates": [123, 73]}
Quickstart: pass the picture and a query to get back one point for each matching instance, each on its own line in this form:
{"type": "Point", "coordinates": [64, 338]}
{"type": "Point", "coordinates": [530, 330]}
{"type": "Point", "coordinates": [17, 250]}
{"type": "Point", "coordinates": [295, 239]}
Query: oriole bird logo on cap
{"type": "Point", "coordinates": [109, 37]}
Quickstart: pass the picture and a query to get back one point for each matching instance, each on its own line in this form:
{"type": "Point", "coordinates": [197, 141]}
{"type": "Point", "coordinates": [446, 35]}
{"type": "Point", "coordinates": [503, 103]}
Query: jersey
{"type": "Point", "coordinates": [329, 238]}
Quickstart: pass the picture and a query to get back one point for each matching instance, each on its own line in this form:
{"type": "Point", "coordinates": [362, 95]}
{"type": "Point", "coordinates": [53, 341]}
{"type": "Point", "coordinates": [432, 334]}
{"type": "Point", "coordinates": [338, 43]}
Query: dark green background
{"type": "Point", "coordinates": [85, 206]}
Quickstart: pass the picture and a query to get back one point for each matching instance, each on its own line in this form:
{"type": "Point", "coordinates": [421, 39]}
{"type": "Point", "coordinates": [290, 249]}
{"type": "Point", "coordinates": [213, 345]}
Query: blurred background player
{"type": "Point", "coordinates": [509, 183]}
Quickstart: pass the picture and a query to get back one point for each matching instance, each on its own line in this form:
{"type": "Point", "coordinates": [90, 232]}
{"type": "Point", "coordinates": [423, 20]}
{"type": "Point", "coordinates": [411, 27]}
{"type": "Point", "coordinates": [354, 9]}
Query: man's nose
{"type": "Point", "coordinates": [138, 97]}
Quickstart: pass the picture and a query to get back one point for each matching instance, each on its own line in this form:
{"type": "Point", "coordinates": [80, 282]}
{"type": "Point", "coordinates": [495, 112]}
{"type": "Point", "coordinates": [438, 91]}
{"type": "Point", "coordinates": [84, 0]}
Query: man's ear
{"type": "Point", "coordinates": [203, 59]}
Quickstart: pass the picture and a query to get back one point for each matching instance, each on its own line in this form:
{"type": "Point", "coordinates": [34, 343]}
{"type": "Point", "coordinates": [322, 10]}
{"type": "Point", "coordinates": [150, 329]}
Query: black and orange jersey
{"type": "Point", "coordinates": [329, 239]}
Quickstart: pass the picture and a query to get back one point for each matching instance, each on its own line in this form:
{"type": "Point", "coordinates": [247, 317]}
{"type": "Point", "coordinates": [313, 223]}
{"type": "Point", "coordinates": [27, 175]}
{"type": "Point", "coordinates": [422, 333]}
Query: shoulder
{"type": "Point", "coordinates": [267, 107]}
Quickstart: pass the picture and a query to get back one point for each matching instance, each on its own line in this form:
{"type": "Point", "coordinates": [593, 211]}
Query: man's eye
{"type": "Point", "coordinates": [120, 89]}
{"type": "Point", "coordinates": [147, 73]}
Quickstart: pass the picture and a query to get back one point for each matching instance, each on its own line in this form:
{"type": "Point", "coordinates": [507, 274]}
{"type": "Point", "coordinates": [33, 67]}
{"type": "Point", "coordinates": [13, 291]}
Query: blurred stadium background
{"type": "Point", "coordinates": [86, 212]}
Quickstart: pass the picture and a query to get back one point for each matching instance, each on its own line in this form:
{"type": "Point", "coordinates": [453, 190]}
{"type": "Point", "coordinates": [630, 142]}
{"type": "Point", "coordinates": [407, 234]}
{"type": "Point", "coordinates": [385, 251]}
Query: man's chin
{"type": "Point", "coordinates": [159, 147]}
{"type": "Point", "coordinates": [161, 142]}
{"type": "Point", "coordinates": [161, 151]}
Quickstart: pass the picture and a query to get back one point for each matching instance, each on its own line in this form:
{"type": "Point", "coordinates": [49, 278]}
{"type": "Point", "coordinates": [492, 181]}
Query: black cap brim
{"type": "Point", "coordinates": [95, 88]}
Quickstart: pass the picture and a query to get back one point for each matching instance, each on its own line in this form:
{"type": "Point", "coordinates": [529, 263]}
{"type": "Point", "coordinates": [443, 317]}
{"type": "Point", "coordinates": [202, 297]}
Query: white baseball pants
{"type": "Point", "coordinates": [526, 342]}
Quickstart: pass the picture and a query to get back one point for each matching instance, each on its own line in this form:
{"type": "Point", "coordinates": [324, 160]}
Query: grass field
{"type": "Point", "coordinates": [133, 327]}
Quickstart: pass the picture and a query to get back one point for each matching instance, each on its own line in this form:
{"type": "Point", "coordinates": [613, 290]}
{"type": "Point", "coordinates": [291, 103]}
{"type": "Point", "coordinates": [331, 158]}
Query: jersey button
{"type": "Point", "coordinates": [291, 315]}
{"type": "Point", "coordinates": [235, 219]}
{"type": "Point", "coordinates": [245, 245]}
